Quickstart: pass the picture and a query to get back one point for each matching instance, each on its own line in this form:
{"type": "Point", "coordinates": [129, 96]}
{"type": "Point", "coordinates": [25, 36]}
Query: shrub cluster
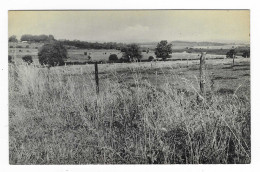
{"type": "Point", "coordinates": [28, 59]}
{"type": "Point", "coordinates": [113, 58]}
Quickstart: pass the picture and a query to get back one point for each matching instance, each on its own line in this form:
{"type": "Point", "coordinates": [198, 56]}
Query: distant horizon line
{"type": "Point", "coordinates": [154, 41]}
{"type": "Point", "coordinates": [148, 41]}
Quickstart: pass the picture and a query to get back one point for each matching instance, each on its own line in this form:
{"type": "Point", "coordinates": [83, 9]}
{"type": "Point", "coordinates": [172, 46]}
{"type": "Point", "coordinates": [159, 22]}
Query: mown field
{"type": "Point", "coordinates": [145, 113]}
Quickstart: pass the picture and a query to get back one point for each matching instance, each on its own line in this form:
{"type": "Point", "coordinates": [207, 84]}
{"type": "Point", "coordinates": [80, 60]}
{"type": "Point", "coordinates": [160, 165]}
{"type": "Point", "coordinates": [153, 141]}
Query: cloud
{"type": "Point", "coordinates": [128, 26]}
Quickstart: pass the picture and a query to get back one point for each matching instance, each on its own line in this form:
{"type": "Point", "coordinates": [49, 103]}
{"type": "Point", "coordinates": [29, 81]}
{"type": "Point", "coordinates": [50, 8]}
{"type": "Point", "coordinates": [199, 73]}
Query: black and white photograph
{"type": "Point", "coordinates": [130, 86]}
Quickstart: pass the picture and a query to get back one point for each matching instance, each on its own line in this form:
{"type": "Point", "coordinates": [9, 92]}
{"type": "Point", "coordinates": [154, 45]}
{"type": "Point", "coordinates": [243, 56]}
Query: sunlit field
{"type": "Point", "coordinates": [145, 113]}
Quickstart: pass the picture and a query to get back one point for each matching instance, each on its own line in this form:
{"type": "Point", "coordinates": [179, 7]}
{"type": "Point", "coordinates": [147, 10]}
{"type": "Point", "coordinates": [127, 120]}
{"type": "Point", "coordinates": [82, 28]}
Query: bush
{"type": "Point", "coordinates": [28, 59]}
{"type": "Point", "coordinates": [85, 53]}
{"type": "Point", "coordinates": [19, 46]}
{"type": "Point", "coordinates": [151, 58]}
{"type": "Point", "coordinates": [113, 58]}
{"type": "Point", "coordinates": [52, 54]}
{"type": "Point", "coordinates": [27, 46]}
{"type": "Point", "coordinates": [11, 46]}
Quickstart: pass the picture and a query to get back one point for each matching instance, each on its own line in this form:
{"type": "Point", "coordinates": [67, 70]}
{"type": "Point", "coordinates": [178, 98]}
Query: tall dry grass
{"type": "Point", "coordinates": [55, 117]}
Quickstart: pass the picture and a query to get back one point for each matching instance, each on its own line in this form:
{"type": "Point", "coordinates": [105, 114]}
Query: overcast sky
{"type": "Point", "coordinates": [134, 26]}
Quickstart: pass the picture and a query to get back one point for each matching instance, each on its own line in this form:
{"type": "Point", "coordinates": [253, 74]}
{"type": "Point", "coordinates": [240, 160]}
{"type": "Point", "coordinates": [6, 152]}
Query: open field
{"type": "Point", "coordinates": [147, 112]}
{"type": "Point", "coordinates": [77, 55]}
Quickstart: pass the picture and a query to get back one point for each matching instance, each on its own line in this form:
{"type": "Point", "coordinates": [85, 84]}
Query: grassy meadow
{"type": "Point", "coordinates": [145, 113]}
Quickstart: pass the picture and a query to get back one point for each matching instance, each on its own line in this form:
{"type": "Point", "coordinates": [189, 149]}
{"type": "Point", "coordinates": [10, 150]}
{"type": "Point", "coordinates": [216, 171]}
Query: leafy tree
{"type": "Point", "coordinates": [12, 39]}
{"type": "Point", "coordinates": [113, 58]}
{"type": "Point", "coordinates": [28, 59]}
{"type": "Point", "coordinates": [246, 54]}
{"type": "Point", "coordinates": [163, 50]}
{"type": "Point", "coordinates": [132, 52]}
{"type": "Point", "coordinates": [52, 54]}
{"type": "Point", "coordinates": [231, 53]}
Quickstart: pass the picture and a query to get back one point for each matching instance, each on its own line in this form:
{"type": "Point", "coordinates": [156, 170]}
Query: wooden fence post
{"type": "Point", "coordinates": [156, 77]}
{"type": "Point", "coordinates": [202, 73]}
{"type": "Point", "coordinates": [233, 55]}
{"type": "Point", "coordinates": [96, 77]}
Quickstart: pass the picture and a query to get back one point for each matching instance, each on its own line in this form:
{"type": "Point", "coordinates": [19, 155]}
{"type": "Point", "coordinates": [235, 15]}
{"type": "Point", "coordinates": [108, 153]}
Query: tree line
{"type": "Point", "coordinates": [33, 38]}
{"type": "Point", "coordinates": [68, 43]}
{"type": "Point", "coordinates": [37, 38]}
{"type": "Point", "coordinates": [92, 45]}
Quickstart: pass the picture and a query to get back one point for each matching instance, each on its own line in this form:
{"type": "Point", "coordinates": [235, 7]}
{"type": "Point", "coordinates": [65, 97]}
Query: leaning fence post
{"type": "Point", "coordinates": [202, 73]}
{"type": "Point", "coordinates": [96, 77]}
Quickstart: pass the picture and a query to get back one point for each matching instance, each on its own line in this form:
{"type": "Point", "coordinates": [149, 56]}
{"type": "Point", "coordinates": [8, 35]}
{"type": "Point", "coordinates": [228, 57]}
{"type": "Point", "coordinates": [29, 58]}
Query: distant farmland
{"type": "Point", "coordinates": [78, 55]}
